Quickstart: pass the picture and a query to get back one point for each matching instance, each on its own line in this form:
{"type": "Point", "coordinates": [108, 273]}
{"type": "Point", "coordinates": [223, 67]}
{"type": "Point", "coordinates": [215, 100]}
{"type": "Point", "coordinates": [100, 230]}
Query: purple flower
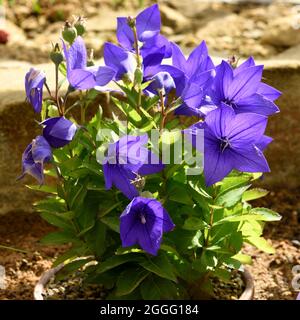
{"type": "Point", "coordinates": [265, 90]}
{"type": "Point", "coordinates": [35, 155]}
{"type": "Point", "coordinates": [143, 222]}
{"type": "Point", "coordinates": [197, 62]}
{"type": "Point", "coordinates": [298, 296]}
{"type": "Point", "coordinates": [126, 160]}
{"type": "Point", "coordinates": [162, 81]}
{"type": "Point", "coordinates": [58, 131]}
{"type": "Point", "coordinates": [79, 75]}
{"type": "Point", "coordinates": [121, 61]}
{"type": "Point", "coordinates": [242, 89]}
{"type": "Point", "coordinates": [34, 82]}
{"type": "Point", "coordinates": [147, 26]}
{"type": "Point", "coordinates": [194, 95]}
{"type": "Point", "coordinates": [232, 142]}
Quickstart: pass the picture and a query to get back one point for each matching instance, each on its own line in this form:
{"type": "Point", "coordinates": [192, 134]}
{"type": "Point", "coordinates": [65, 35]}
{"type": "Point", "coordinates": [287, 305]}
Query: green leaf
{"type": "Point", "coordinates": [59, 237]}
{"type": "Point", "coordinates": [230, 198]}
{"type": "Point", "coordinates": [243, 258]}
{"type": "Point", "coordinates": [266, 214]}
{"type": "Point", "coordinates": [96, 238]}
{"type": "Point", "coordinates": [161, 266]}
{"type": "Point", "coordinates": [50, 205]}
{"type": "Point", "coordinates": [129, 280]}
{"type": "Point", "coordinates": [71, 254]}
{"type": "Point", "coordinates": [178, 193]}
{"type": "Point", "coordinates": [116, 261]}
{"type": "Point", "coordinates": [193, 223]}
{"type": "Point", "coordinates": [112, 222]}
{"type": "Point", "coordinates": [156, 288]}
{"type": "Point", "coordinates": [70, 268]}
{"type": "Point", "coordinates": [234, 181]}
{"type": "Point", "coordinates": [253, 194]}
{"type": "Point", "coordinates": [43, 188]}
{"type": "Point", "coordinates": [57, 220]}
{"type": "Point", "coordinates": [261, 244]}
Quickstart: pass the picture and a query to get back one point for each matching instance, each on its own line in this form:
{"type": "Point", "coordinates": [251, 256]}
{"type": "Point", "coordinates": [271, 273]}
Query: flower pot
{"type": "Point", "coordinates": [46, 276]}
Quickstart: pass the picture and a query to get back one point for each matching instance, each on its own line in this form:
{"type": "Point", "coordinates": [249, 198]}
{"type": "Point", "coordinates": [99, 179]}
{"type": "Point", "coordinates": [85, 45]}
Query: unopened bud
{"type": "Point", "coordinates": [138, 76]}
{"type": "Point", "coordinates": [69, 32]}
{"type": "Point", "coordinates": [52, 111]}
{"type": "Point", "coordinates": [56, 56]}
{"type": "Point", "coordinates": [79, 24]}
{"type": "Point", "coordinates": [233, 61]}
{"type": "Point", "coordinates": [131, 22]}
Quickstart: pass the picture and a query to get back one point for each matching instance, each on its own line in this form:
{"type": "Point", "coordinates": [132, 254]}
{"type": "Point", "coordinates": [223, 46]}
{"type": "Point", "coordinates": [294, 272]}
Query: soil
{"type": "Point", "coordinates": [272, 273]}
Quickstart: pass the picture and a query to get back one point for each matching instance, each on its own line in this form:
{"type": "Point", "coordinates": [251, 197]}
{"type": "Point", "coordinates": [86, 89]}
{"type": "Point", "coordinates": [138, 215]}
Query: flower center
{"type": "Point", "coordinates": [224, 143]}
{"type": "Point", "coordinates": [143, 219]}
{"type": "Point", "coordinates": [229, 102]}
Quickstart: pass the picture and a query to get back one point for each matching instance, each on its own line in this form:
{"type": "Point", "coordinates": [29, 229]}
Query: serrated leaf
{"type": "Point", "coordinates": [112, 222]}
{"type": "Point", "coordinates": [243, 258]}
{"type": "Point", "coordinates": [70, 268]}
{"type": "Point", "coordinates": [230, 198]}
{"type": "Point", "coordinates": [116, 261]}
{"type": "Point", "coordinates": [161, 266]}
{"type": "Point", "coordinates": [266, 214]}
{"type": "Point", "coordinates": [43, 188]}
{"type": "Point", "coordinates": [261, 244]}
{"type": "Point", "coordinates": [253, 194]}
{"type": "Point", "coordinates": [57, 220]}
{"type": "Point", "coordinates": [156, 288]}
{"type": "Point", "coordinates": [129, 280]}
{"type": "Point", "coordinates": [59, 237]}
{"type": "Point", "coordinates": [193, 223]}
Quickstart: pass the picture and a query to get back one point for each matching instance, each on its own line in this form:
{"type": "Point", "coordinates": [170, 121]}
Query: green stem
{"type": "Point", "coordinates": [61, 112]}
{"type": "Point", "coordinates": [13, 249]}
{"type": "Point", "coordinates": [162, 110]}
{"type": "Point", "coordinates": [139, 64]}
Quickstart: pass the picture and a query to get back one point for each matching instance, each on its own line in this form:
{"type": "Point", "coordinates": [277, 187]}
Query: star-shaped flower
{"type": "Point", "coordinates": [231, 141]}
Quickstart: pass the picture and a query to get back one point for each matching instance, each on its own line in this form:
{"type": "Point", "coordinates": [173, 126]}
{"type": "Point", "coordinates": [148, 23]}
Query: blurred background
{"type": "Point", "coordinates": [267, 30]}
{"type": "Point", "coordinates": [262, 28]}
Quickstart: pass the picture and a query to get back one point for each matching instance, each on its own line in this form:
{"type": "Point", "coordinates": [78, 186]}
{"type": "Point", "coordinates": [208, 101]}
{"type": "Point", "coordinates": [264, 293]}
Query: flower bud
{"type": "Point", "coordinates": [69, 32]}
{"type": "Point", "coordinates": [58, 131]}
{"type": "Point", "coordinates": [131, 22]}
{"type": "Point", "coordinates": [53, 111]}
{"type": "Point", "coordinates": [79, 24]}
{"type": "Point", "coordinates": [56, 56]}
{"type": "Point", "coordinates": [138, 76]}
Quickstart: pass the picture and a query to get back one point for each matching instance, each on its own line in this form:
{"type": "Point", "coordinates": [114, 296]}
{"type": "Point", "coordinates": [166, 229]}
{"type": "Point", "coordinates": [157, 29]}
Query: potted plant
{"type": "Point", "coordinates": [129, 192]}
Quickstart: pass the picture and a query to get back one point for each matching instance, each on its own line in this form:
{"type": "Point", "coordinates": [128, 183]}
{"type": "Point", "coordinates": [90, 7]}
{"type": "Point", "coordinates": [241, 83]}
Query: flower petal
{"type": "Point", "coordinates": [256, 104]}
{"type": "Point", "coordinates": [148, 23]}
{"type": "Point", "coordinates": [124, 33]}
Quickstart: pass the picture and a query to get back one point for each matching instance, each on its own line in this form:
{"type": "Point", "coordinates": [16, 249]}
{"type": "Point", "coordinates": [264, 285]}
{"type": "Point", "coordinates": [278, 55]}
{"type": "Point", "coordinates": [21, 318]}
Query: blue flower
{"type": "Point", "coordinates": [231, 141]}
{"type": "Point", "coordinates": [143, 222]}
{"type": "Point", "coordinates": [35, 155]}
{"type": "Point", "coordinates": [126, 160]}
{"type": "Point", "coordinates": [34, 82]}
{"type": "Point", "coordinates": [243, 90]}
{"type": "Point", "coordinates": [58, 131]}
{"type": "Point", "coordinates": [147, 23]}
{"type": "Point", "coordinates": [79, 75]}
